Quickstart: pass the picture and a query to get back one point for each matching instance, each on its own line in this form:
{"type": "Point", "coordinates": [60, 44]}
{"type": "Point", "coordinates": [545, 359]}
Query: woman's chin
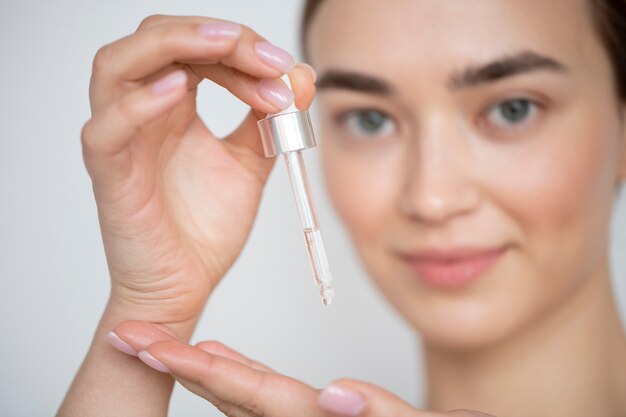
{"type": "Point", "coordinates": [462, 323]}
{"type": "Point", "coordinates": [461, 334]}
{"type": "Point", "coordinates": [462, 315]}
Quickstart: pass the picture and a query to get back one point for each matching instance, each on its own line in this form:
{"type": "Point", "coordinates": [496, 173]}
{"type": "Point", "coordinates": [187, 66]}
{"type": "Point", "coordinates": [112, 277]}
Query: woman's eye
{"type": "Point", "coordinates": [368, 123]}
{"type": "Point", "coordinates": [512, 112]}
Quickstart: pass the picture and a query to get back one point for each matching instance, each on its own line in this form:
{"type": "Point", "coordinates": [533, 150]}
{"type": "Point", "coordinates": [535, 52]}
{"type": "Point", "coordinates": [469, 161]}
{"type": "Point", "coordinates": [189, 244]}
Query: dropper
{"type": "Point", "coordinates": [288, 132]}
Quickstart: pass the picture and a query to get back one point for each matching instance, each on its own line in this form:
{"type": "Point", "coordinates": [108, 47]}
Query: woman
{"type": "Point", "coordinates": [474, 151]}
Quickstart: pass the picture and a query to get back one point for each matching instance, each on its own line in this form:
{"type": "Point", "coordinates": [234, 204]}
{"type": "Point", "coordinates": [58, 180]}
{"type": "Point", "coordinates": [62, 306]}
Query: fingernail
{"type": "Point", "coordinates": [274, 56]}
{"type": "Point", "coordinates": [220, 30]}
{"type": "Point", "coordinates": [152, 362]}
{"type": "Point", "coordinates": [170, 82]}
{"type": "Point", "coordinates": [310, 69]}
{"type": "Point", "coordinates": [342, 401]}
{"type": "Point", "coordinates": [276, 93]}
{"type": "Point", "coordinates": [114, 340]}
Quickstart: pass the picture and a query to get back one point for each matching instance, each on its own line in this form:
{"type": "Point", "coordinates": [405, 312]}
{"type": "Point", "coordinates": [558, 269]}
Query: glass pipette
{"type": "Point", "coordinates": [288, 132]}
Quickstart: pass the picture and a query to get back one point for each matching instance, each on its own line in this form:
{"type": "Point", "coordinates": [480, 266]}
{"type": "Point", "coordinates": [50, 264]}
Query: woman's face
{"type": "Point", "coordinates": [473, 149]}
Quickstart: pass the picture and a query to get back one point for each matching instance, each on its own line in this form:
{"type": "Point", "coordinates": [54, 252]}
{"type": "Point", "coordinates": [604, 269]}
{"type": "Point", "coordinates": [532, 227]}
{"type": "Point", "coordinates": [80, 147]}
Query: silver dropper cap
{"type": "Point", "coordinates": [286, 132]}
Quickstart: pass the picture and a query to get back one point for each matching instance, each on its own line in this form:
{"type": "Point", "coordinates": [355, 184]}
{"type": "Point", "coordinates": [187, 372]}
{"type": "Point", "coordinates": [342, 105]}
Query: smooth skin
{"type": "Point", "coordinates": [539, 333]}
{"type": "Point", "coordinates": [448, 167]}
{"type": "Point", "coordinates": [156, 171]}
{"type": "Point", "coordinates": [239, 386]}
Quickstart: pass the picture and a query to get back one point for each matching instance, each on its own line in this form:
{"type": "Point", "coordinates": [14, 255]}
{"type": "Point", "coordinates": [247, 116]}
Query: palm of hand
{"type": "Point", "coordinates": [239, 386]}
{"type": "Point", "coordinates": [183, 214]}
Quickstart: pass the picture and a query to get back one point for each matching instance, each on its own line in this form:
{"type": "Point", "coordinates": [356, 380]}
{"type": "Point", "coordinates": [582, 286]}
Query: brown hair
{"type": "Point", "coordinates": [609, 18]}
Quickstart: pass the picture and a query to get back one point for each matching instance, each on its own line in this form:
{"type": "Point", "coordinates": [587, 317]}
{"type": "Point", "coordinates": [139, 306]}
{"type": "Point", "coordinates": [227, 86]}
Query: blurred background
{"type": "Point", "coordinates": [53, 273]}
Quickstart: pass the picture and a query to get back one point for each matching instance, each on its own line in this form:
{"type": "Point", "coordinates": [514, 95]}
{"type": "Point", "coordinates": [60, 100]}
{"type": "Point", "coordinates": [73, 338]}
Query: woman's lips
{"type": "Point", "coordinates": [452, 268]}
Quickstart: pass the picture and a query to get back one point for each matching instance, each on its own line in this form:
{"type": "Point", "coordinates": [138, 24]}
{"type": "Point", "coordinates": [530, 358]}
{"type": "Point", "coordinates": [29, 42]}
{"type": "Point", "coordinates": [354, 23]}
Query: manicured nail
{"type": "Point", "coordinates": [342, 401]}
{"type": "Point", "coordinates": [152, 362]}
{"type": "Point", "coordinates": [276, 93]}
{"type": "Point", "coordinates": [170, 82]}
{"type": "Point", "coordinates": [220, 30]}
{"type": "Point", "coordinates": [114, 340]}
{"type": "Point", "coordinates": [310, 69]}
{"type": "Point", "coordinates": [274, 56]}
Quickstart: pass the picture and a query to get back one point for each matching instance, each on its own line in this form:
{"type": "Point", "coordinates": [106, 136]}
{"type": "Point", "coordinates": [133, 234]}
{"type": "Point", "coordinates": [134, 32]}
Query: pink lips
{"type": "Point", "coordinates": [453, 268]}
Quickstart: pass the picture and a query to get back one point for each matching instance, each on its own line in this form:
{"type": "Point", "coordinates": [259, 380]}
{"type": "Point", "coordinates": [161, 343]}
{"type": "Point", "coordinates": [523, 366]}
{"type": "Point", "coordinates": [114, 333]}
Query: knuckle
{"type": "Point", "coordinates": [92, 142]}
{"type": "Point", "coordinates": [152, 20]}
{"type": "Point", "coordinates": [168, 36]}
{"type": "Point", "coordinates": [102, 59]}
{"type": "Point", "coordinates": [165, 38]}
{"type": "Point", "coordinates": [88, 135]}
{"type": "Point", "coordinates": [247, 31]}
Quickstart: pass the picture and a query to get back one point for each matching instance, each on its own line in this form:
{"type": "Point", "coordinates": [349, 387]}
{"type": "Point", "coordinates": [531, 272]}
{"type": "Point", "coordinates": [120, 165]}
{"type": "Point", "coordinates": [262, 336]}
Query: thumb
{"type": "Point", "coordinates": [245, 141]}
{"type": "Point", "coordinates": [359, 399]}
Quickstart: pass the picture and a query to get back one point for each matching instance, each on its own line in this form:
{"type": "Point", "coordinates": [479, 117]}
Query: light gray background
{"type": "Point", "coordinates": [53, 276]}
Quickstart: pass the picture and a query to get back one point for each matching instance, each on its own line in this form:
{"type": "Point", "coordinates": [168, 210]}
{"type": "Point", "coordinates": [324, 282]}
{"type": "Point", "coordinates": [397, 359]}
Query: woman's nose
{"type": "Point", "coordinates": [439, 183]}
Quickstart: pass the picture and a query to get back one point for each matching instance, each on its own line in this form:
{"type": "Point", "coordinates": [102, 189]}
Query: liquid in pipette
{"type": "Point", "coordinates": [319, 263]}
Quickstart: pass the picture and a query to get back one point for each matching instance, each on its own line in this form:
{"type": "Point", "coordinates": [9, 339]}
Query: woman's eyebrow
{"type": "Point", "coordinates": [506, 66]}
{"type": "Point", "coordinates": [471, 76]}
{"type": "Point", "coordinates": [355, 81]}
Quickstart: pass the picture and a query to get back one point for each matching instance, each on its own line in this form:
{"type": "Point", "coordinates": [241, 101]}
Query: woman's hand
{"type": "Point", "coordinates": [239, 386]}
{"type": "Point", "coordinates": [176, 204]}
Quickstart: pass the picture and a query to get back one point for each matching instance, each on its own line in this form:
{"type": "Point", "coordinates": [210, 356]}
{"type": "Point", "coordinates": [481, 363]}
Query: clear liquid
{"type": "Point", "coordinates": [319, 263]}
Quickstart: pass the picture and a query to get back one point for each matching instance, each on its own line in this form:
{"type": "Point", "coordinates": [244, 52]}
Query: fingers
{"type": "Point", "coordinates": [245, 142]}
{"type": "Point", "coordinates": [189, 41]}
{"type": "Point", "coordinates": [133, 336]}
{"type": "Point", "coordinates": [205, 41]}
{"type": "Point", "coordinates": [139, 335]}
{"type": "Point", "coordinates": [269, 55]}
{"type": "Point", "coordinates": [232, 382]}
{"type": "Point", "coordinates": [355, 398]}
{"type": "Point", "coordinates": [106, 135]}
{"type": "Point", "coordinates": [226, 408]}
{"type": "Point", "coordinates": [265, 95]}
{"type": "Point", "coordinates": [303, 78]}
{"type": "Point", "coordinates": [230, 54]}
{"type": "Point", "coordinates": [220, 349]}
{"type": "Point", "coordinates": [236, 384]}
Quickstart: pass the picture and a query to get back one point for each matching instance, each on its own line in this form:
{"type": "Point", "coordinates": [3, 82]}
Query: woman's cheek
{"type": "Point", "coordinates": [363, 187]}
{"type": "Point", "coordinates": [558, 190]}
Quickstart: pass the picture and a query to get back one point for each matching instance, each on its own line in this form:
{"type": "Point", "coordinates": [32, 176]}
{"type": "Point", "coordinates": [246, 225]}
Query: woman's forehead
{"type": "Point", "coordinates": [401, 33]}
